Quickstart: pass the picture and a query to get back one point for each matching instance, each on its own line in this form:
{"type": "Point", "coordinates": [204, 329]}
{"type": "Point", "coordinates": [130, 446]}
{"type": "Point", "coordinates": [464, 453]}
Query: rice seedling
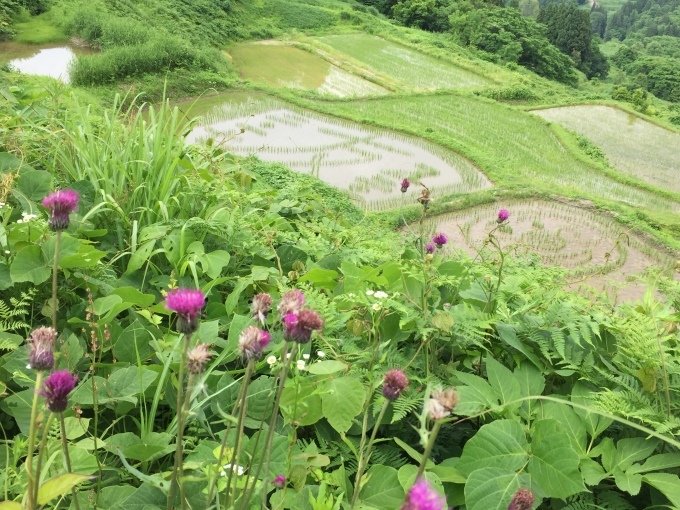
{"type": "Point", "coordinates": [410, 67]}
{"type": "Point", "coordinates": [631, 144]}
{"type": "Point", "coordinates": [368, 162]}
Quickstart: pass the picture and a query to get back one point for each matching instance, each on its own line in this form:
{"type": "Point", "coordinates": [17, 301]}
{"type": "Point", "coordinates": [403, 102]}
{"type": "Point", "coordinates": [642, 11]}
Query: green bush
{"type": "Point", "coordinates": [108, 31]}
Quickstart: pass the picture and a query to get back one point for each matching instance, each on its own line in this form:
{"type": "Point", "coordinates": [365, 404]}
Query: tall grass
{"type": "Point", "coordinates": [130, 159]}
{"type": "Point", "coordinates": [106, 31]}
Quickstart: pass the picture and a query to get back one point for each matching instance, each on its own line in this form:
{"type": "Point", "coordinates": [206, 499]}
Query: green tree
{"type": "Point", "coordinates": [432, 15]}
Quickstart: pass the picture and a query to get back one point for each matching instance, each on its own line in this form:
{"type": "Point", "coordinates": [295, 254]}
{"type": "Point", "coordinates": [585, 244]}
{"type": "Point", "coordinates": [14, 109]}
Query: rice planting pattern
{"type": "Point", "coordinates": [631, 144]}
{"type": "Point", "coordinates": [595, 249]}
{"type": "Point", "coordinates": [414, 69]}
{"type": "Point", "coordinates": [368, 163]}
{"type": "Point", "coordinates": [285, 66]}
{"type": "Point", "coordinates": [513, 147]}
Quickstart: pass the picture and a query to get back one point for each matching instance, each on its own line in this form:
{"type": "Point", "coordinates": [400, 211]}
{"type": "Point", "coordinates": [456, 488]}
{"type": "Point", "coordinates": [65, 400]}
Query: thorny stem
{"type": "Point", "coordinates": [364, 457]}
{"type": "Point", "coordinates": [31, 503]}
{"type": "Point", "coordinates": [428, 447]}
{"type": "Point", "coordinates": [67, 458]}
{"type": "Point", "coordinates": [55, 271]}
{"type": "Point", "coordinates": [41, 453]}
{"type": "Point", "coordinates": [180, 431]}
{"type": "Point", "coordinates": [236, 456]}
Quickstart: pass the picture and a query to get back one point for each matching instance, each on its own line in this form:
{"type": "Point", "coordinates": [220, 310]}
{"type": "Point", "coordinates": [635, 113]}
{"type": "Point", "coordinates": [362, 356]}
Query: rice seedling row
{"type": "Point", "coordinates": [593, 248]}
{"type": "Point", "coordinates": [367, 161]}
{"type": "Point", "coordinates": [631, 144]}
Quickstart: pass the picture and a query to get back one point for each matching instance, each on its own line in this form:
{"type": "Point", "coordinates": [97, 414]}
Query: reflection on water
{"type": "Point", "coordinates": [40, 60]}
{"type": "Point", "coordinates": [367, 162]}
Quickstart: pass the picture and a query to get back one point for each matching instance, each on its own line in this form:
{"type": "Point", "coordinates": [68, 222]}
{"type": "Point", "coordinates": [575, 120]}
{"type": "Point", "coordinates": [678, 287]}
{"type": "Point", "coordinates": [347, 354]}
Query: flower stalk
{"type": "Point", "coordinates": [32, 431]}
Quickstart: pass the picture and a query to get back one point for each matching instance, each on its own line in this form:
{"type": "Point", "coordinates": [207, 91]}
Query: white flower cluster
{"type": "Point", "coordinates": [239, 470]}
{"type": "Point", "coordinates": [377, 294]}
{"type": "Point", "coordinates": [26, 217]}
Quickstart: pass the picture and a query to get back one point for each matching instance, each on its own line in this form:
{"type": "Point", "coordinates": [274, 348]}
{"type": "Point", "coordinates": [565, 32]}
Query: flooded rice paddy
{"type": "Point", "coordinates": [42, 60]}
{"type": "Point", "coordinates": [369, 163]}
{"type": "Point", "coordinates": [286, 66]}
{"type": "Point", "coordinates": [631, 144]}
{"type": "Point", "coordinates": [598, 251]}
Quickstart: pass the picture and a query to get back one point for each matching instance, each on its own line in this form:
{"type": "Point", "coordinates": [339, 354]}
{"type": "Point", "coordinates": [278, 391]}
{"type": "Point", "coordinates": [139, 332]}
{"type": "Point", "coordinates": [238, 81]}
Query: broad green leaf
{"type": "Point", "coordinates": [146, 497]}
{"type": "Point", "coordinates": [595, 424]}
{"type": "Point", "coordinates": [58, 486]}
{"type": "Point", "coordinates": [631, 450]}
{"type": "Point", "coordinates": [213, 262]}
{"type": "Point", "coordinates": [325, 278]}
{"type": "Point", "coordinates": [112, 498]}
{"type": "Point", "coordinates": [133, 344]}
{"type": "Point", "coordinates": [476, 396]}
{"type": "Point", "coordinates": [414, 454]}
{"type": "Point", "coordinates": [140, 256]}
{"type": "Point", "coordinates": [448, 472]}
{"type": "Point", "coordinates": [492, 488]}
{"type": "Point", "coordinates": [382, 491]}
{"type": "Point", "coordinates": [504, 383]}
{"type": "Point", "coordinates": [570, 421]}
{"type": "Point", "coordinates": [29, 265]}
{"type": "Point", "coordinates": [31, 187]}
{"type": "Point", "coordinates": [260, 392]}
{"type": "Point", "coordinates": [593, 473]}
{"type": "Point", "coordinates": [301, 404]}
{"type": "Point", "coordinates": [279, 452]}
{"type": "Point", "coordinates": [407, 477]}
{"type": "Point", "coordinates": [500, 444]}
{"type": "Point", "coordinates": [342, 399]}
{"type": "Point", "coordinates": [133, 296]}
{"type": "Point", "coordinates": [554, 463]}
{"type": "Point", "coordinates": [628, 482]}
{"type": "Point", "coordinates": [10, 505]}
{"type": "Point", "coordinates": [68, 246]}
{"type": "Point", "coordinates": [76, 427]}
{"type": "Point", "coordinates": [326, 367]}
{"type": "Point", "coordinates": [657, 462]}
{"type": "Point", "coordinates": [5, 276]}
{"type": "Point", "coordinates": [668, 484]}
{"type": "Point", "coordinates": [153, 446]}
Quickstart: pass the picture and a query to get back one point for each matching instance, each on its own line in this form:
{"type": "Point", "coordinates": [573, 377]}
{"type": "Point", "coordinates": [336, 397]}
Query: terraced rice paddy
{"type": "Point", "coordinates": [286, 66]}
{"type": "Point", "coordinates": [513, 147]}
{"type": "Point", "coordinates": [413, 69]}
{"type": "Point", "coordinates": [632, 145]}
{"type": "Point", "coordinates": [369, 163]}
{"type": "Point", "coordinates": [598, 251]}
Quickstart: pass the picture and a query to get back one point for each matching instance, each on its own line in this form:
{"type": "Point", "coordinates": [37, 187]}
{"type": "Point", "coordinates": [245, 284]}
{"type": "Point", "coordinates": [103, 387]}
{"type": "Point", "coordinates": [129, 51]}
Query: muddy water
{"type": "Point", "coordinates": [286, 66]}
{"type": "Point", "coordinates": [369, 163]}
{"type": "Point", "coordinates": [43, 60]}
{"type": "Point", "coordinates": [599, 252]}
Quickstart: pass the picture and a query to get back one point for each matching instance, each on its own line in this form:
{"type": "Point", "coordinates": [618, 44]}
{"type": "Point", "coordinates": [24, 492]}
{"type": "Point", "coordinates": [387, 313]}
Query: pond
{"type": "Point", "coordinates": [42, 60]}
{"type": "Point", "coordinates": [369, 163]}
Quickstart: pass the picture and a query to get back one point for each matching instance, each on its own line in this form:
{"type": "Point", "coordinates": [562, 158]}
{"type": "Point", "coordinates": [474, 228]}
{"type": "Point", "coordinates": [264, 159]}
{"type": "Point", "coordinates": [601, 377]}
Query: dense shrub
{"type": "Point", "coordinates": [108, 31]}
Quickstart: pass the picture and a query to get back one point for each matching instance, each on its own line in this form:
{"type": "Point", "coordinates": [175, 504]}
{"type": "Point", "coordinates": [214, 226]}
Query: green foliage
{"type": "Point", "coordinates": [432, 15]}
{"type": "Point", "coordinates": [505, 35]}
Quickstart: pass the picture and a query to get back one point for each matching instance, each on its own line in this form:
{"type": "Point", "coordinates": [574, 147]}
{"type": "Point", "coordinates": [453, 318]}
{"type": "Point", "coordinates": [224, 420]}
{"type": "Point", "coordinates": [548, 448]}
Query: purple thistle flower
{"type": "Point", "coordinates": [188, 304]}
{"type": "Point", "coordinates": [56, 388]}
{"type": "Point", "coordinates": [279, 482]}
{"type": "Point", "coordinates": [252, 342]}
{"type": "Point", "coordinates": [440, 239]}
{"type": "Point", "coordinates": [503, 215]}
{"type": "Point", "coordinates": [291, 302]}
{"type": "Point", "coordinates": [429, 248]}
{"type": "Point", "coordinates": [299, 327]}
{"type": "Point", "coordinates": [262, 303]}
{"type": "Point", "coordinates": [423, 497]}
{"type": "Point", "coordinates": [60, 204]}
{"type": "Point", "coordinates": [405, 184]}
{"type": "Point", "coordinates": [41, 345]}
{"type": "Point", "coordinates": [395, 382]}
{"type": "Point", "coordinates": [522, 500]}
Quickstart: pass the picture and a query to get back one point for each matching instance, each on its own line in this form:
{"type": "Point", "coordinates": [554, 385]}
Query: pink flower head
{"type": "Point", "coordinates": [395, 382]}
{"type": "Point", "coordinates": [41, 345]}
{"type": "Point", "coordinates": [279, 482]}
{"type": "Point", "coordinates": [405, 184]}
{"type": "Point", "coordinates": [423, 497]}
{"type": "Point", "coordinates": [503, 215]}
{"type": "Point", "coordinates": [522, 500]}
{"type": "Point", "coordinates": [440, 239]}
{"type": "Point", "coordinates": [188, 304]}
{"type": "Point", "coordinates": [56, 388]}
{"type": "Point", "coordinates": [291, 302]}
{"type": "Point", "coordinates": [60, 204]}
{"type": "Point", "coordinates": [252, 342]}
{"type": "Point", "coordinates": [299, 327]}
{"type": "Point", "coordinates": [262, 303]}
{"type": "Point", "coordinates": [429, 248]}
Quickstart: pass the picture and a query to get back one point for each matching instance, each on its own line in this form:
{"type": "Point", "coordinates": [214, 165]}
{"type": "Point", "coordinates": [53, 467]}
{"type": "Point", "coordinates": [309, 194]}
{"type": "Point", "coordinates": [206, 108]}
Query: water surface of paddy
{"type": "Point", "coordinates": [367, 162]}
{"type": "Point", "coordinates": [286, 66]}
{"type": "Point", "coordinates": [631, 144]}
{"type": "Point", "coordinates": [42, 60]}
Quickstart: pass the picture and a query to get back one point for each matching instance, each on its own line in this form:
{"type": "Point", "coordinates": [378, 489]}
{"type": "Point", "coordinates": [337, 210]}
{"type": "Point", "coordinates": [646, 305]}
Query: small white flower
{"type": "Point", "coordinates": [351, 294]}
{"type": "Point", "coordinates": [7, 252]}
{"type": "Point", "coordinates": [381, 295]}
{"type": "Point", "coordinates": [271, 360]}
{"type": "Point", "coordinates": [20, 221]}
{"type": "Point", "coordinates": [321, 354]}
{"type": "Point", "coordinates": [301, 364]}
{"type": "Point", "coordinates": [2, 204]}
{"type": "Point", "coordinates": [28, 366]}
{"type": "Point", "coordinates": [288, 355]}
{"type": "Point", "coordinates": [376, 306]}
{"type": "Point", "coordinates": [370, 292]}
{"type": "Point", "coordinates": [239, 470]}
{"type": "Point", "coordinates": [306, 356]}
